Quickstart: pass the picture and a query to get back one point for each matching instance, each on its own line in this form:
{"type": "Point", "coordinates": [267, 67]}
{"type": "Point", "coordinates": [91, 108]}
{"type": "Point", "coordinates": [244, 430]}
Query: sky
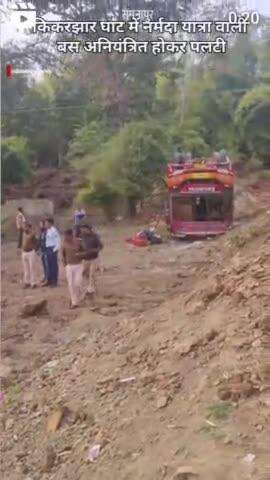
{"type": "Point", "coordinates": [263, 6]}
{"type": "Point", "coordinates": [11, 28]}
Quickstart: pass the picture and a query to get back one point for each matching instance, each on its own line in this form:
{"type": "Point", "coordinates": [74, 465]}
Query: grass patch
{"type": "Point", "coordinates": [238, 240]}
{"type": "Point", "coordinates": [13, 394]}
{"type": "Point", "coordinates": [219, 411]}
{"type": "Point", "coordinates": [212, 432]}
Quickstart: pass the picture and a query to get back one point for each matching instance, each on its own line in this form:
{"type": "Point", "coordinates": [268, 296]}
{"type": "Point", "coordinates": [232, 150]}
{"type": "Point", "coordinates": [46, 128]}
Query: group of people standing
{"type": "Point", "coordinates": [80, 250]}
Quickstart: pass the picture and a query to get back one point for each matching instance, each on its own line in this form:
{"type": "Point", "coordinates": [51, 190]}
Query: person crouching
{"type": "Point", "coordinates": [29, 257]}
{"type": "Point", "coordinates": [73, 266]}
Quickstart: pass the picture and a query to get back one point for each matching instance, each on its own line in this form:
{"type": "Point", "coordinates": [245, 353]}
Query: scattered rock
{"type": "Point", "coordinates": [94, 453]}
{"type": "Point", "coordinates": [228, 440]}
{"type": "Point", "coordinates": [102, 439]}
{"type": "Point", "coordinates": [249, 458]}
{"type": "Point", "coordinates": [238, 263]}
{"type": "Point", "coordinates": [265, 400]}
{"type": "Point", "coordinates": [185, 473]}
{"type": "Point", "coordinates": [147, 379]}
{"type": "Point", "coordinates": [50, 366]}
{"type": "Point", "coordinates": [127, 380]}
{"type": "Point", "coordinates": [238, 386]}
{"type": "Point", "coordinates": [211, 335]}
{"type": "Point", "coordinates": [162, 401]}
{"type": "Point", "coordinates": [49, 460]}
{"type": "Point", "coordinates": [9, 423]}
{"type": "Point", "coordinates": [5, 371]}
{"type": "Point", "coordinates": [212, 291]}
{"type": "Point", "coordinates": [256, 343]}
{"type": "Point", "coordinates": [186, 346]}
{"type": "Point", "coordinates": [54, 420]}
{"type": "Point", "coordinates": [33, 308]}
{"type": "Point", "coordinates": [123, 350]}
{"type": "Point", "coordinates": [224, 393]}
{"type": "Point", "coordinates": [265, 324]}
{"type": "Point", "coordinates": [81, 413]}
{"type": "Point", "coordinates": [196, 307]}
{"type": "Point", "coordinates": [4, 302]}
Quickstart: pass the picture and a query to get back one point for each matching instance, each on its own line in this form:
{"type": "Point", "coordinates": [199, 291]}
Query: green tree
{"type": "Point", "coordinates": [87, 142]}
{"type": "Point", "coordinates": [48, 116]}
{"type": "Point", "coordinates": [15, 166]}
{"type": "Point", "coordinates": [253, 121]}
{"type": "Point", "coordinates": [129, 164]}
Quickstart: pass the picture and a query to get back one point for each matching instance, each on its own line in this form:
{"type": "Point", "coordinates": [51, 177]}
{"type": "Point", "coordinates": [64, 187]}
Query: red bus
{"type": "Point", "coordinates": [200, 199]}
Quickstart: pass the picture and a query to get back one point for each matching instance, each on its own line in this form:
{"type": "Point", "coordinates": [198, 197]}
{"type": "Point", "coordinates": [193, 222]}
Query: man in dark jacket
{"type": "Point", "coordinates": [92, 246]}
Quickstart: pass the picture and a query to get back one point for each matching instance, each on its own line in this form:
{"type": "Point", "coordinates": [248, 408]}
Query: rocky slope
{"type": "Point", "coordinates": [178, 391]}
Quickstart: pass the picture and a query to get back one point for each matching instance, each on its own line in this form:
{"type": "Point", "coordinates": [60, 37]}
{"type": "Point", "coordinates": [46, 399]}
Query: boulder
{"type": "Point", "coordinates": [212, 290]}
{"type": "Point", "coordinates": [185, 473]}
{"type": "Point", "coordinates": [265, 324]}
{"type": "Point", "coordinates": [34, 307]}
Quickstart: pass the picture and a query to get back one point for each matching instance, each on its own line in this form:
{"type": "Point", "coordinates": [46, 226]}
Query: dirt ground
{"type": "Point", "coordinates": [134, 280]}
{"type": "Point", "coordinates": [164, 370]}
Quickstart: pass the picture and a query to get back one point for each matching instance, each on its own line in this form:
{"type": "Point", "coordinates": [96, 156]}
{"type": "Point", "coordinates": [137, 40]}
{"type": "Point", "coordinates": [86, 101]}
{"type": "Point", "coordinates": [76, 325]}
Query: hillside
{"type": "Point", "coordinates": [167, 372]}
{"type": "Point", "coordinates": [58, 185]}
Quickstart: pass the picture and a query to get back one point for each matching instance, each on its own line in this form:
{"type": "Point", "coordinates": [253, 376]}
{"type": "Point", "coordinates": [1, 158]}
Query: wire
{"type": "Point", "coordinates": [18, 110]}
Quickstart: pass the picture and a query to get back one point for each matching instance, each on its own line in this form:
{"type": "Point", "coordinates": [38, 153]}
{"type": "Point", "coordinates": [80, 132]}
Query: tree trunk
{"type": "Point", "coordinates": [109, 211]}
{"type": "Point", "coordinates": [132, 207]}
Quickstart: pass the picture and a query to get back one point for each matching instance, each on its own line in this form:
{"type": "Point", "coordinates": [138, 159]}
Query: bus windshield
{"type": "Point", "coordinates": [201, 208]}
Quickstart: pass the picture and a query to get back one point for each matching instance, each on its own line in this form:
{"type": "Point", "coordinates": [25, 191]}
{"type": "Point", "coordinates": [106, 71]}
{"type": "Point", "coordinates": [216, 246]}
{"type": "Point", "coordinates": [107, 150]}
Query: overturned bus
{"type": "Point", "coordinates": [200, 199]}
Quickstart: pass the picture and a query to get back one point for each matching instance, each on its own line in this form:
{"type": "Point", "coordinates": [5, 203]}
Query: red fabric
{"type": "Point", "coordinates": [9, 71]}
{"type": "Point", "coordinates": [139, 240]}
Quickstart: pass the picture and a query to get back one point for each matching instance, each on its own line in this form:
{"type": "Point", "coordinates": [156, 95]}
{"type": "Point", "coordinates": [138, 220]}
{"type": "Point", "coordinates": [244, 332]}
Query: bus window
{"type": "Point", "coordinates": [200, 209]}
{"type": "Point", "coordinates": [215, 209]}
{"type": "Point", "coordinates": [182, 209]}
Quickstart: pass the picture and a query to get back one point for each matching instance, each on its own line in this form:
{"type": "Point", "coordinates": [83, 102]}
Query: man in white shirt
{"type": "Point", "coordinates": [53, 245]}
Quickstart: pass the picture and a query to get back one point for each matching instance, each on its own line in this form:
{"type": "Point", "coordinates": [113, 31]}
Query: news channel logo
{"type": "Point", "coordinates": [19, 15]}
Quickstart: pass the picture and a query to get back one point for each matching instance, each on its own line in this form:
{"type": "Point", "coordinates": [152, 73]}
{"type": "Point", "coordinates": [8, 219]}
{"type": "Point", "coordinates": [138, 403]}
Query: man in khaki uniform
{"type": "Point", "coordinates": [29, 257]}
{"type": "Point", "coordinates": [73, 266]}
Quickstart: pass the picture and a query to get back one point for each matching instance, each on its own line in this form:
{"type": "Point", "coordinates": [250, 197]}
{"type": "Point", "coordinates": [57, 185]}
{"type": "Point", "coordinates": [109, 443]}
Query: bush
{"type": "Point", "coordinates": [87, 141]}
{"type": "Point", "coordinates": [128, 165]}
{"type": "Point", "coordinates": [15, 167]}
{"type": "Point", "coordinates": [253, 120]}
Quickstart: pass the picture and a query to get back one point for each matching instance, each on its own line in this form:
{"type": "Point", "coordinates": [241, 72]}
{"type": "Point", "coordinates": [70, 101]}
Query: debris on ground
{"type": "Point", "coordinates": [94, 453]}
